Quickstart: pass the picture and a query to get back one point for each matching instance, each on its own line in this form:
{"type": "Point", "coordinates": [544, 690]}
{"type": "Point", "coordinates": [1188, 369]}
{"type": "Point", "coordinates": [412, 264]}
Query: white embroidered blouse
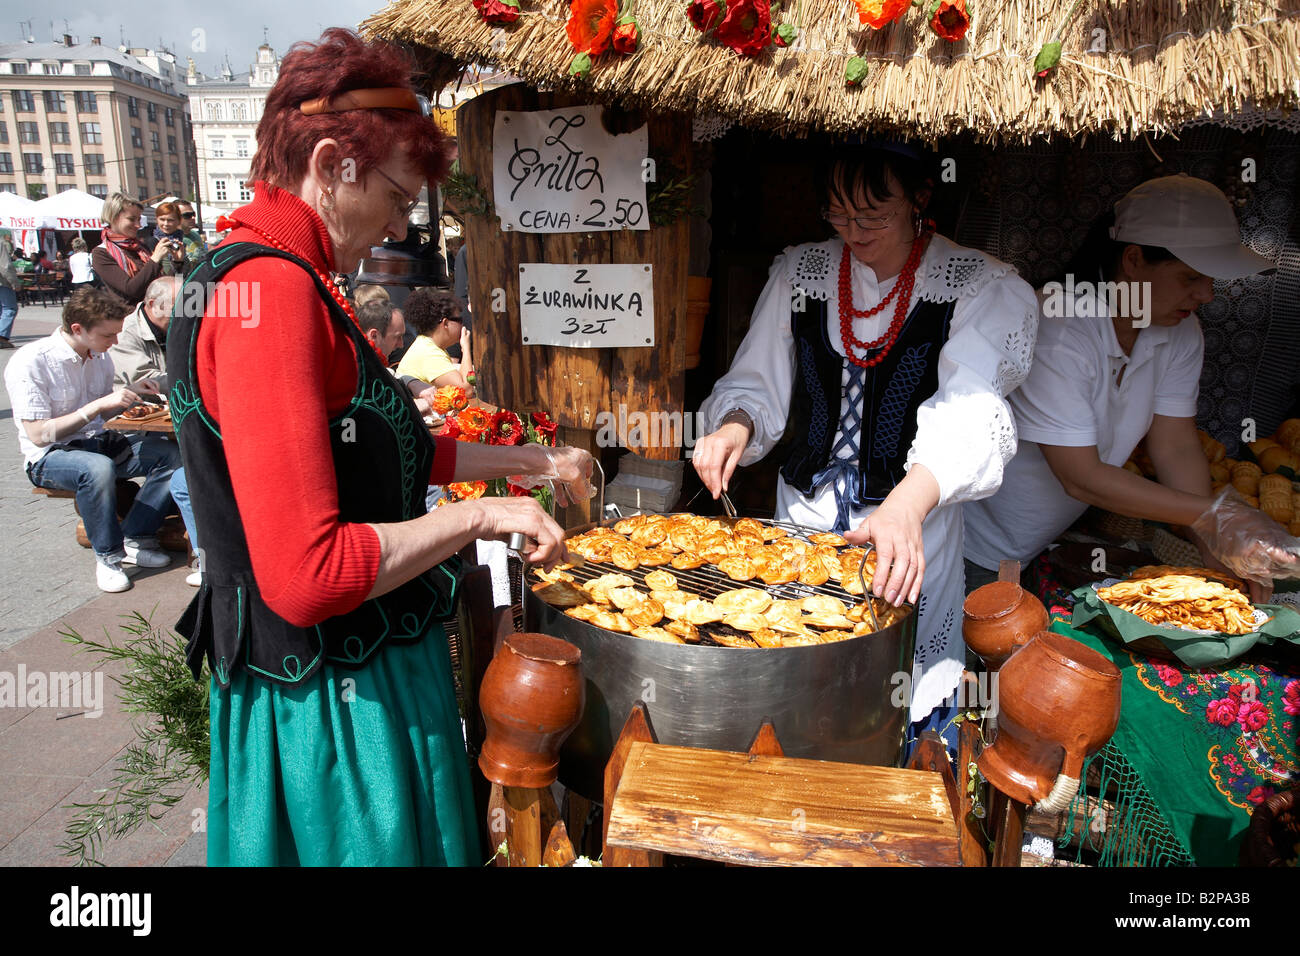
{"type": "Point", "coordinates": [965, 431]}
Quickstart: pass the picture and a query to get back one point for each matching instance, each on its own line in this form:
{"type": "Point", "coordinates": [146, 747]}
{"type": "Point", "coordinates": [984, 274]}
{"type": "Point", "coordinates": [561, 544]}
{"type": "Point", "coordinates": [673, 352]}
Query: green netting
{"type": "Point", "coordinates": [1135, 833]}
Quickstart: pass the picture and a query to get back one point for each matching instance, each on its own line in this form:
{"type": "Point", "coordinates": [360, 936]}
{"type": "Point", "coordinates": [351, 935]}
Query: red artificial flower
{"type": "Point", "coordinates": [1222, 712]}
{"type": "Point", "coordinates": [878, 13]}
{"type": "Point", "coordinates": [515, 491]}
{"type": "Point", "coordinates": [497, 11]}
{"type": "Point", "coordinates": [544, 427]}
{"type": "Point", "coordinates": [626, 35]}
{"type": "Point", "coordinates": [450, 429]}
{"type": "Point", "coordinates": [747, 26]}
{"type": "Point", "coordinates": [1252, 715]}
{"type": "Point", "coordinates": [506, 429]}
{"type": "Point", "coordinates": [950, 20]}
{"type": "Point", "coordinates": [705, 14]}
{"type": "Point", "coordinates": [591, 24]}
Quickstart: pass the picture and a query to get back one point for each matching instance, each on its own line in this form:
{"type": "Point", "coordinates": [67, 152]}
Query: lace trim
{"type": "Point", "coordinates": [950, 272]}
{"type": "Point", "coordinates": [1019, 349]}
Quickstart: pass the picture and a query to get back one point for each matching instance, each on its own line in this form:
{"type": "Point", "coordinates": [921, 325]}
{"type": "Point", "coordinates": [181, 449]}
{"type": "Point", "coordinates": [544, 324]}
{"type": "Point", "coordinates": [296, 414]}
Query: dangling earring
{"type": "Point", "coordinates": [917, 223]}
{"type": "Point", "coordinates": [327, 198]}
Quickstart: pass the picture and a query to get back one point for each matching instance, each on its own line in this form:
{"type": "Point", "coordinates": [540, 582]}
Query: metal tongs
{"type": "Point", "coordinates": [866, 592]}
{"type": "Point", "coordinates": [728, 507]}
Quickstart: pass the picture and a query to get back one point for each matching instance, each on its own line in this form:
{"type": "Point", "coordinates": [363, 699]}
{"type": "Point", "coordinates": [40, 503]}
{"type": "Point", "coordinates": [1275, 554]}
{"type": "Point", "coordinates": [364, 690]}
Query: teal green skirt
{"type": "Point", "coordinates": [351, 768]}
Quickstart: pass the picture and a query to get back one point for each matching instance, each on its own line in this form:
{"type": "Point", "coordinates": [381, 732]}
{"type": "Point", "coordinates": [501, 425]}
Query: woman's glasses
{"type": "Point", "coordinates": [402, 210]}
{"type": "Point", "coordinates": [840, 221]}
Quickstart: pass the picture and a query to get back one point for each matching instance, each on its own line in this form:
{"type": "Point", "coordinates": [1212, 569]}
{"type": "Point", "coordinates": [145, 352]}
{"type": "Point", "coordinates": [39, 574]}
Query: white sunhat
{"type": "Point", "coordinates": [1193, 220]}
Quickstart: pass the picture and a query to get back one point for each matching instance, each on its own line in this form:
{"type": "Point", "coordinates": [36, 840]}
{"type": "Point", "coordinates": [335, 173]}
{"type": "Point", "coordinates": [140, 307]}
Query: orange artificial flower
{"type": "Point", "coordinates": [878, 13]}
{"type": "Point", "coordinates": [950, 20]}
{"type": "Point", "coordinates": [591, 25]}
{"type": "Point", "coordinates": [467, 490]}
{"type": "Point", "coordinates": [474, 422]}
{"type": "Point", "coordinates": [449, 398]}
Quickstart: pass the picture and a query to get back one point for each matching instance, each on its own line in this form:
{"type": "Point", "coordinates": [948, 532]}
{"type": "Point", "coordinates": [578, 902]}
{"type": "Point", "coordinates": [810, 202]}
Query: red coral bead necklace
{"type": "Point", "coordinates": [902, 290]}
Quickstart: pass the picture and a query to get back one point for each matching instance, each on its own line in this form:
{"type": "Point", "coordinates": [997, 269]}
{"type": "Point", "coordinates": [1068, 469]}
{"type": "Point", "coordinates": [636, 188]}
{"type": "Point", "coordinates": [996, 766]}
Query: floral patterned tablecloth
{"type": "Point", "coordinates": [1205, 747]}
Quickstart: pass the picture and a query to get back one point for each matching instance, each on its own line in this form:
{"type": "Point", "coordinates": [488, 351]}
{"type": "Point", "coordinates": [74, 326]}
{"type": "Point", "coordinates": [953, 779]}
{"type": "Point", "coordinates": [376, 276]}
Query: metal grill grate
{"type": "Point", "coordinates": [708, 582]}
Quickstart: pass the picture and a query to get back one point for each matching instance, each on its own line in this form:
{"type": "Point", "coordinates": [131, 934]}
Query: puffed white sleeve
{"type": "Point", "coordinates": [965, 432]}
{"type": "Point", "coordinates": [761, 377]}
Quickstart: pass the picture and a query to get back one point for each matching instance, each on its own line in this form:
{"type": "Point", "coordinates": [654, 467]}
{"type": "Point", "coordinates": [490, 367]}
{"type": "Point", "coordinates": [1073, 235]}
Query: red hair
{"type": "Point", "coordinates": [341, 61]}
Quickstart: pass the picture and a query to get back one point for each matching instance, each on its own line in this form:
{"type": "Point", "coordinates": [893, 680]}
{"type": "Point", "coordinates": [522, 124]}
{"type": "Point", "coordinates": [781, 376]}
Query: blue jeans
{"type": "Point", "coordinates": [180, 489]}
{"type": "Point", "coordinates": [91, 467]}
{"type": "Point", "coordinates": [8, 310]}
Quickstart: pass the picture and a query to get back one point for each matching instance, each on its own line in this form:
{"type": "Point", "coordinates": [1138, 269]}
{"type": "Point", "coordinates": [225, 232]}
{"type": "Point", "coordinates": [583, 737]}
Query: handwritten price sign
{"type": "Point", "coordinates": [587, 307]}
{"type": "Point", "coordinates": [559, 171]}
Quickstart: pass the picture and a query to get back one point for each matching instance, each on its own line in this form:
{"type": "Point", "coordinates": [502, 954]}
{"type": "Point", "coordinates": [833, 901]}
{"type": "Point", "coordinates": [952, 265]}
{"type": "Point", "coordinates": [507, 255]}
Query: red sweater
{"type": "Point", "coordinates": [272, 382]}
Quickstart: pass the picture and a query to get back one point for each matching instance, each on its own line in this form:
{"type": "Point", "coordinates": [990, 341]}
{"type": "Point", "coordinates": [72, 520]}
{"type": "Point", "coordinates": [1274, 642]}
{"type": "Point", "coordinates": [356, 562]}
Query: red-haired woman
{"type": "Point", "coordinates": [335, 732]}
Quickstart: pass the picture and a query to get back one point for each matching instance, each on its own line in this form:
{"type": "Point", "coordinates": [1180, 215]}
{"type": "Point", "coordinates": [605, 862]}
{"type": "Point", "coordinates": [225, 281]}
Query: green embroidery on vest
{"type": "Point", "coordinates": [292, 667]}
{"type": "Point", "coordinates": [385, 401]}
{"type": "Point", "coordinates": [185, 401]}
{"type": "Point", "coordinates": [354, 650]}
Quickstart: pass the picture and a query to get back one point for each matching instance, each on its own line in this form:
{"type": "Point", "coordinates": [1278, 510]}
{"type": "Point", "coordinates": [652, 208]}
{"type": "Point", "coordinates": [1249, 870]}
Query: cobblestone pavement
{"type": "Point", "coordinates": [51, 758]}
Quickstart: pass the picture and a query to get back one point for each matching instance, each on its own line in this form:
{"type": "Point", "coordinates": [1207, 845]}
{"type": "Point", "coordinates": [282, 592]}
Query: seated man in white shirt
{"type": "Point", "coordinates": [1118, 359]}
{"type": "Point", "coordinates": [61, 390]}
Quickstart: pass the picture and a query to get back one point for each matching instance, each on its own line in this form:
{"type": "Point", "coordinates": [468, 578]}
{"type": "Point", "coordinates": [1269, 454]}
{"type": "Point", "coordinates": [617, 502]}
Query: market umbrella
{"type": "Point", "coordinates": [16, 212]}
{"type": "Point", "coordinates": [71, 209]}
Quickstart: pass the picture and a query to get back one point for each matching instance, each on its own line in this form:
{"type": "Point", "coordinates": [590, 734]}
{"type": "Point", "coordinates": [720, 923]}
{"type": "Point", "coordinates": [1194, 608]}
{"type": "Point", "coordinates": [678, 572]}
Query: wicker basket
{"type": "Point", "coordinates": [1273, 838]}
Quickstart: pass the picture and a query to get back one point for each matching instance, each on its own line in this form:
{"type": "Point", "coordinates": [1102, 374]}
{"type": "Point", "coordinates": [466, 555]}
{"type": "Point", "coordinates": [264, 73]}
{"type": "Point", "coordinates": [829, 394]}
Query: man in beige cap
{"type": "Point", "coordinates": [1118, 360]}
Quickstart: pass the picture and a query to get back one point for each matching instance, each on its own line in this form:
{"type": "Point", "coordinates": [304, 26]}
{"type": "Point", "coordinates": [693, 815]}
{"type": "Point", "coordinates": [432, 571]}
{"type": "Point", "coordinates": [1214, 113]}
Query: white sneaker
{"type": "Point", "coordinates": [110, 578]}
{"type": "Point", "coordinates": [194, 579]}
{"type": "Point", "coordinates": [146, 558]}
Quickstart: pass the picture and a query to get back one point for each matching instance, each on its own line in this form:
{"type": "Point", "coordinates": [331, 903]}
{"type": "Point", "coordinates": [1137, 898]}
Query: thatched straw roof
{"type": "Point", "coordinates": [1165, 63]}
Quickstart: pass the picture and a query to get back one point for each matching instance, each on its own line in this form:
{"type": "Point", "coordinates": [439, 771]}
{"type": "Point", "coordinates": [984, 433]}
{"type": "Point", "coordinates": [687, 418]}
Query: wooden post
{"type": "Point", "coordinates": [636, 729]}
{"type": "Point", "coordinates": [573, 385]}
{"type": "Point", "coordinates": [1008, 817]}
{"type": "Point", "coordinates": [973, 849]}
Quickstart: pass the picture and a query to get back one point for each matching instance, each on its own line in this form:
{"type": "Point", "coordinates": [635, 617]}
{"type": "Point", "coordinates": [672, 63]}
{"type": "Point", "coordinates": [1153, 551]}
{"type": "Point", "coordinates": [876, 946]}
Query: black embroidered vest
{"type": "Point", "coordinates": [892, 393]}
{"type": "Point", "coordinates": [382, 457]}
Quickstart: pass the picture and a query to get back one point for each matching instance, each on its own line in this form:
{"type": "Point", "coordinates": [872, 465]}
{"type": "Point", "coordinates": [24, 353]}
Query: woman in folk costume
{"type": "Point", "coordinates": [887, 351]}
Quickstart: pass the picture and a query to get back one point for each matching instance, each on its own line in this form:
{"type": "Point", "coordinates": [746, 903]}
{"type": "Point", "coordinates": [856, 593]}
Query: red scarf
{"type": "Point", "coordinates": [128, 253]}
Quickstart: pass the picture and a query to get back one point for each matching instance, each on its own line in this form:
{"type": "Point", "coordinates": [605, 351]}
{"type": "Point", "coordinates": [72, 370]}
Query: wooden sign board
{"type": "Point", "coordinates": [560, 171]}
{"type": "Point", "coordinates": [587, 306]}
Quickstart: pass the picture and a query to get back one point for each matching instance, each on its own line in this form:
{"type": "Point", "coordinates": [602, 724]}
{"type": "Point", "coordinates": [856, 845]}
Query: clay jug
{"type": "Point", "coordinates": [999, 617]}
{"type": "Point", "coordinates": [1058, 703]}
{"type": "Point", "coordinates": [531, 699]}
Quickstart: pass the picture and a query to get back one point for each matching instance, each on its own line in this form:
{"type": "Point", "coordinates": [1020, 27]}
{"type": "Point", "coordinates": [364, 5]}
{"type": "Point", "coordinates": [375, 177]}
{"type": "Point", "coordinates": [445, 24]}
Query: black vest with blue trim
{"type": "Point", "coordinates": [382, 456]}
{"type": "Point", "coordinates": [892, 393]}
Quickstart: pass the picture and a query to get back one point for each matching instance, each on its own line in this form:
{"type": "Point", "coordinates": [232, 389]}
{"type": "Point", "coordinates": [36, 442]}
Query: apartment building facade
{"type": "Point", "coordinates": [225, 111]}
{"type": "Point", "coordinates": [95, 118]}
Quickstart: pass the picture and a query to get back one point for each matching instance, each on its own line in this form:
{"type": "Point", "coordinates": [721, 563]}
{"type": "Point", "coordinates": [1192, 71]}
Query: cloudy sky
{"type": "Point", "coordinates": [207, 31]}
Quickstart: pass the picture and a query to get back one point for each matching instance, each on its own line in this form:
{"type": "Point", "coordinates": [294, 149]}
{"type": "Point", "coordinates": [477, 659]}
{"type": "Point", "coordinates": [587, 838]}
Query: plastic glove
{"type": "Point", "coordinates": [571, 468]}
{"type": "Point", "coordinates": [1250, 543]}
